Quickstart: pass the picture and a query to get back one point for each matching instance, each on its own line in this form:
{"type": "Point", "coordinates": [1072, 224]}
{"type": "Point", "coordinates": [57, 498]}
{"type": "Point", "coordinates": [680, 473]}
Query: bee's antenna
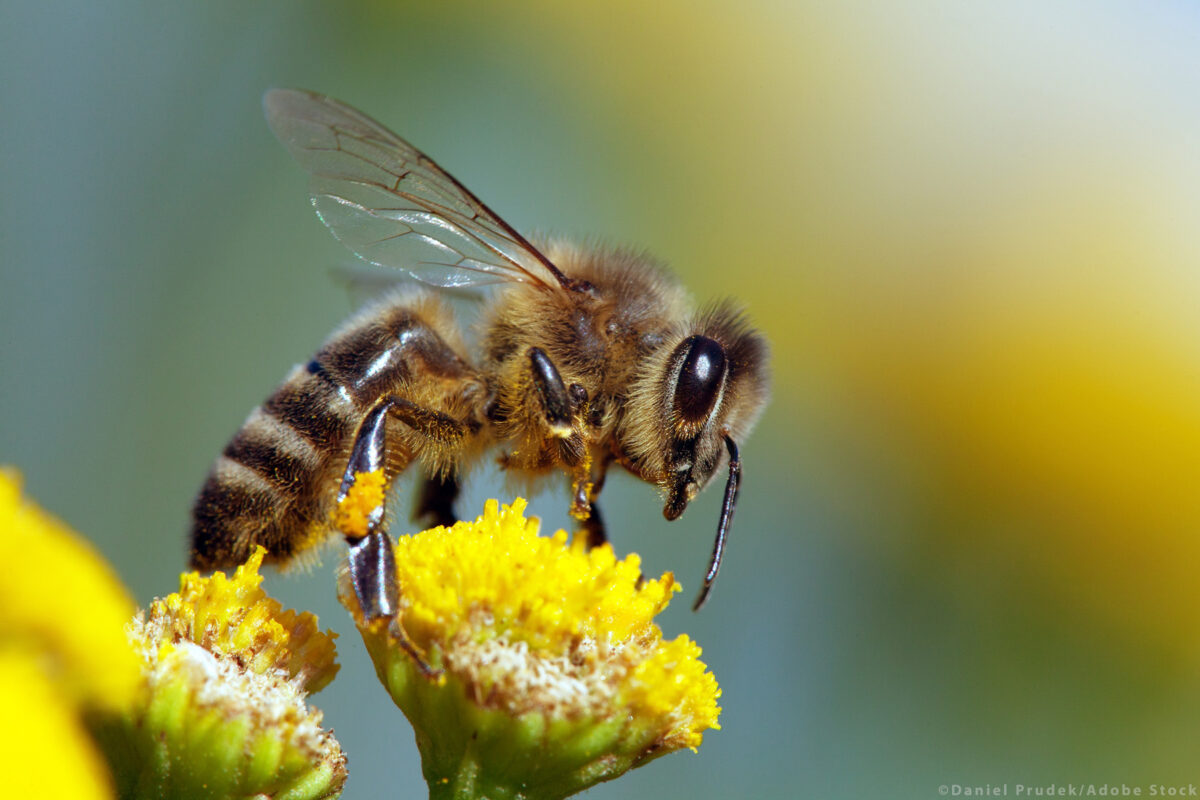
{"type": "Point", "coordinates": [732, 485]}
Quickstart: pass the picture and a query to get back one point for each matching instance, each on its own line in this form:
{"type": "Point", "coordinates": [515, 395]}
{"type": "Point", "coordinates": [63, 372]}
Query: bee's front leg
{"type": "Point", "coordinates": [562, 406]}
{"type": "Point", "coordinates": [555, 400]}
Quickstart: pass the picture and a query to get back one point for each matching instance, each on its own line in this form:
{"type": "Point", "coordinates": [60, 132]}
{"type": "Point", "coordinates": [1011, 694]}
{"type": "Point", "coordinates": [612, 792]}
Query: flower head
{"type": "Point", "coordinates": [554, 674]}
{"type": "Point", "coordinates": [223, 712]}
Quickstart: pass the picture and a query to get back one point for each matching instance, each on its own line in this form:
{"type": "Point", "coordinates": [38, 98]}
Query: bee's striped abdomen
{"type": "Point", "coordinates": [273, 484]}
{"type": "Point", "coordinates": [276, 481]}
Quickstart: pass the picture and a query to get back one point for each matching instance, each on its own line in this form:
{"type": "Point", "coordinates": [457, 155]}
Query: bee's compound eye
{"type": "Point", "coordinates": [700, 377]}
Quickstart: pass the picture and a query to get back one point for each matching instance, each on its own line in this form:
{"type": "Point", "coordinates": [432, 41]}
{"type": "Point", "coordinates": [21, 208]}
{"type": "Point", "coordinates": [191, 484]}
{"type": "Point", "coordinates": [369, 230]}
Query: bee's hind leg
{"type": "Point", "coordinates": [372, 558]}
{"type": "Point", "coordinates": [371, 561]}
{"type": "Point", "coordinates": [373, 572]}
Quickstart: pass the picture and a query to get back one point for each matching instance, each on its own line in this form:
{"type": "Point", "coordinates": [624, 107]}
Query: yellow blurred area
{"type": "Point", "coordinates": [44, 750]}
{"type": "Point", "coordinates": [60, 598]}
{"type": "Point", "coordinates": [63, 651]}
{"type": "Point", "coordinates": [1032, 344]}
{"type": "Point", "coordinates": [1077, 432]}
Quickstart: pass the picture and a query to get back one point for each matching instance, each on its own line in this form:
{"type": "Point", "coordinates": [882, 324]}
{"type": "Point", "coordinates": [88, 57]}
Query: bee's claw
{"type": "Point", "coordinates": [397, 632]}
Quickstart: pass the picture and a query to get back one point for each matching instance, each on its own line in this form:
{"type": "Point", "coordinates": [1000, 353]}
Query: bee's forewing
{"type": "Point", "coordinates": [392, 205]}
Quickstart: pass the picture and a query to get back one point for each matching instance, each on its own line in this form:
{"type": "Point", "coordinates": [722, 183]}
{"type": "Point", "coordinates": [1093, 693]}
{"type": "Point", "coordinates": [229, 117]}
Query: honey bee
{"type": "Point", "coordinates": [587, 357]}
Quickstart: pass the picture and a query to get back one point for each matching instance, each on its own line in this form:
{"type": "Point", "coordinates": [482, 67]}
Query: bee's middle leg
{"type": "Point", "coordinates": [585, 502]}
{"type": "Point", "coordinates": [435, 503]}
{"type": "Point", "coordinates": [593, 528]}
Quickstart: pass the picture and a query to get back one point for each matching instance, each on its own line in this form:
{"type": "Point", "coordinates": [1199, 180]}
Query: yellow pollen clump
{"type": "Point", "coordinates": [364, 498]}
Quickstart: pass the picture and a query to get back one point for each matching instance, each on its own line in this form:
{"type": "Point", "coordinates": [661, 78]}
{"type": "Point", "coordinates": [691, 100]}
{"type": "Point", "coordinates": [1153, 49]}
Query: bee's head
{"type": "Point", "coordinates": [708, 381]}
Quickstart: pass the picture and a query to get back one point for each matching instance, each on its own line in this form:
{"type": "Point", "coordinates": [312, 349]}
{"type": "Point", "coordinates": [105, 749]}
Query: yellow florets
{"type": "Point", "coordinates": [582, 620]}
{"type": "Point", "coordinates": [538, 590]}
{"type": "Point", "coordinates": [558, 640]}
{"type": "Point", "coordinates": [235, 617]}
{"type": "Point", "coordinates": [673, 685]}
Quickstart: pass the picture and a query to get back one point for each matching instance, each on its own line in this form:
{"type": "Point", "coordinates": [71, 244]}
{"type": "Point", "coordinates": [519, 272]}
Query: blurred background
{"type": "Point", "coordinates": [967, 546]}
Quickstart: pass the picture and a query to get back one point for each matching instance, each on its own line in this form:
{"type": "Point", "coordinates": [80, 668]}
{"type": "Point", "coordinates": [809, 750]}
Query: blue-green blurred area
{"type": "Point", "coordinates": [966, 548]}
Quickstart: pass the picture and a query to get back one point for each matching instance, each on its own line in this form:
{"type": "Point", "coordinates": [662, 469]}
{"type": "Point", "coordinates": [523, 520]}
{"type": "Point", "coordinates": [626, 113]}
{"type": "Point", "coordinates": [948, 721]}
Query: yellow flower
{"type": "Point", "coordinates": [554, 675]}
{"type": "Point", "coordinates": [63, 652]}
{"type": "Point", "coordinates": [59, 598]}
{"type": "Point", "coordinates": [223, 713]}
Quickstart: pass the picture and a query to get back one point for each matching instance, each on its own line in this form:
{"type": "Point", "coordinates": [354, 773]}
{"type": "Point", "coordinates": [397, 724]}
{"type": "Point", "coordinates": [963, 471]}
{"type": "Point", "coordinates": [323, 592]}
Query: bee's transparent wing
{"type": "Point", "coordinates": [392, 205]}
